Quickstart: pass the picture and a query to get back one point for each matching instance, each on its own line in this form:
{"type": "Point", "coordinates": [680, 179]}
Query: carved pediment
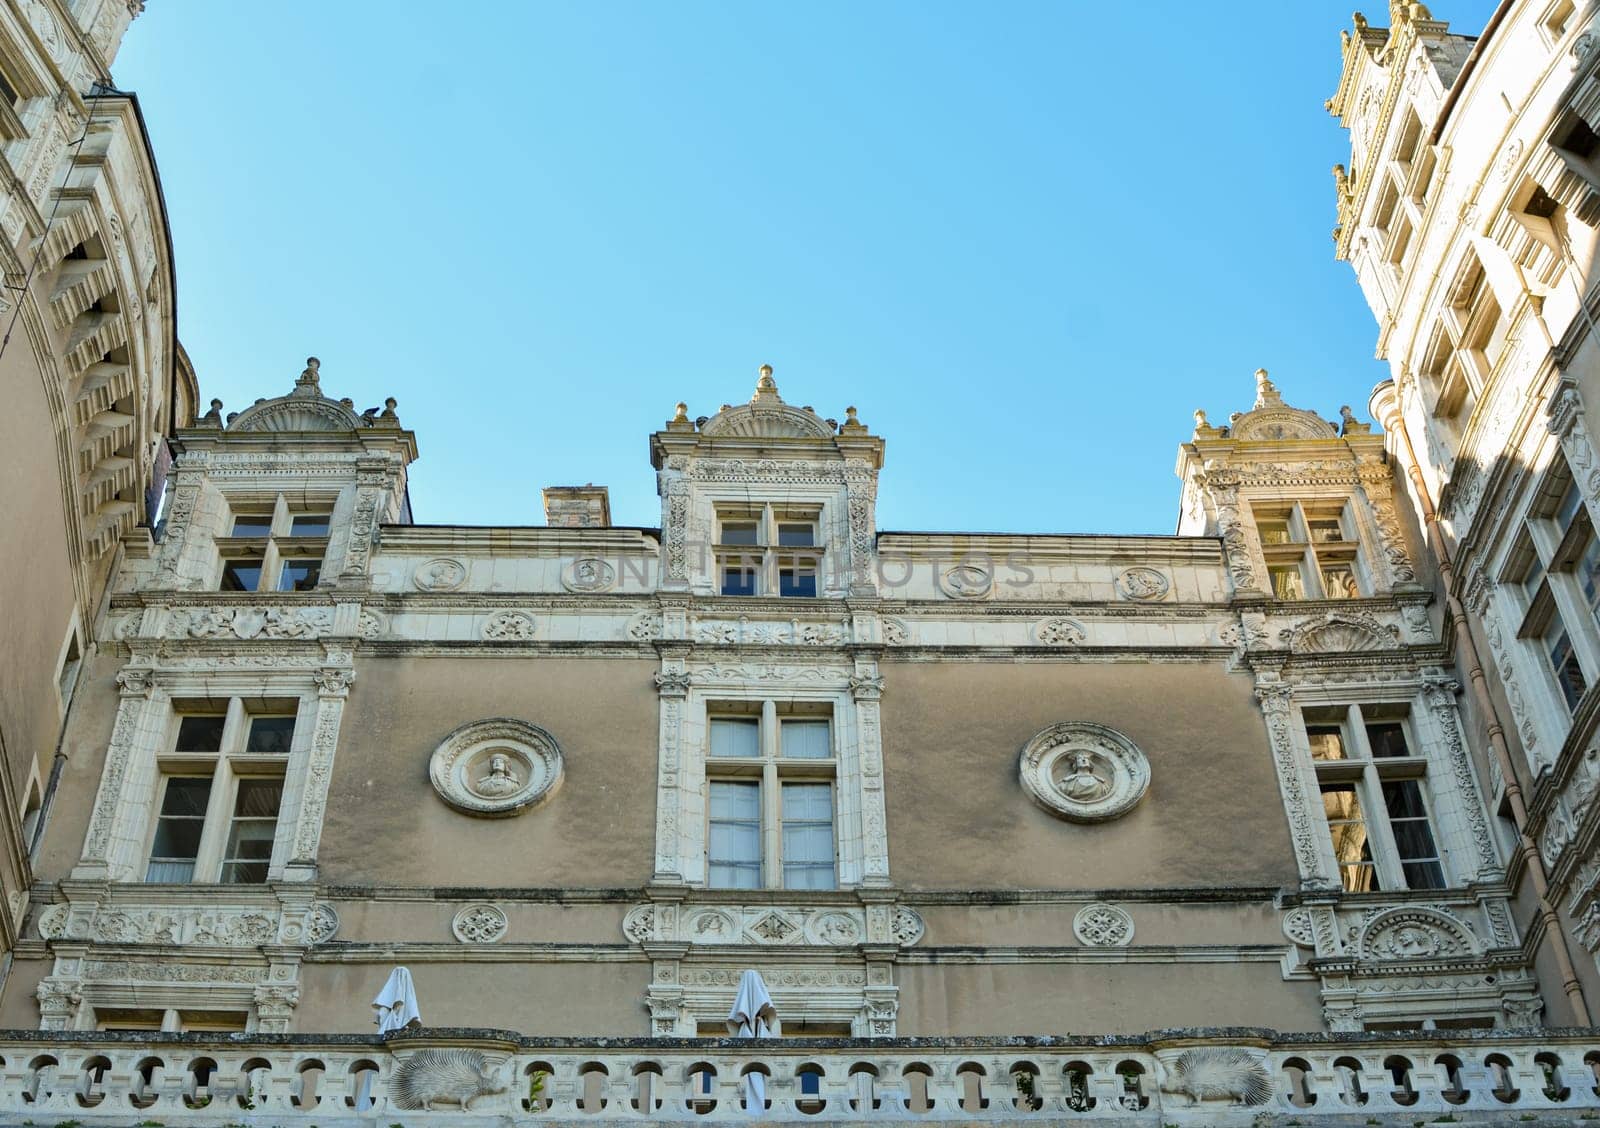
{"type": "Point", "coordinates": [767, 416]}
{"type": "Point", "coordinates": [1408, 933]}
{"type": "Point", "coordinates": [1339, 633]}
{"type": "Point", "coordinates": [303, 409]}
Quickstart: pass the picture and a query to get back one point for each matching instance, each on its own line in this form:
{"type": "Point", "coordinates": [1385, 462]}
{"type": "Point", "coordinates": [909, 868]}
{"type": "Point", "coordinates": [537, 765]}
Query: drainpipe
{"type": "Point", "coordinates": [1385, 407]}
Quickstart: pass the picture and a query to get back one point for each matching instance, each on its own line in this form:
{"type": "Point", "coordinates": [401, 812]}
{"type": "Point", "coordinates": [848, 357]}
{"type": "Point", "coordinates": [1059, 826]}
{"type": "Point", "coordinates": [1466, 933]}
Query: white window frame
{"type": "Point", "coordinates": [1310, 557]}
{"type": "Point", "coordinates": [771, 770]}
{"type": "Point", "coordinates": [1368, 773]}
{"type": "Point", "coordinates": [279, 545]}
{"type": "Point", "coordinates": [768, 557]}
{"type": "Point", "coordinates": [226, 768]}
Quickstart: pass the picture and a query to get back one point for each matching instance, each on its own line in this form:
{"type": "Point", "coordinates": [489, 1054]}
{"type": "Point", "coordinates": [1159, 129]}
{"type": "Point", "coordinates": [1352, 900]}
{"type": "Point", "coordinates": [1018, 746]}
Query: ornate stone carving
{"type": "Point", "coordinates": [1222, 487]}
{"type": "Point", "coordinates": [1413, 934]}
{"type": "Point", "coordinates": [1103, 926]}
{"type": "Point", "coordinates": [1304, 825]}
{"type": "Point", "coordinates": [429, 1078]}
{"type": "Point", "coordinates": [496, 767]}
{"type": "Point", "coordinates": [323, 924]}
{"type": "Point", "coordinates": [1218, 1073]}
{"type": "Point", "coordinates": [866, 687]}
{"type": "Point", "coordinates": [906, 925]}
{"type": "Point", "coordinates": [439, 574]}
{"type": "Point", "coordinates": [1300, 928]}
{"type": "Point", "coordinates": [673, 683]}
{"type": "Point", "coordinates": [1060, 632]}
{"type": "Point", "coordinates": [758, 632]}
{"type": "Point", "coordinates": [52, 922]}
{"type": "Point", "coordinates": [1439, 692]}
{"type": "Point", "coordinates": [245, 623]}
{"type": "Point", "coordinates": [640, 923]}
{"type": "Point", "coordinates": [1084, 771]}
{"type": "Point", "coordinates": [509, 626]}
{"type": "Point", "coordinates": [589, 574]}
{"type": "Point", "coordinates": [1145, 585]}
{"type": "Point", "coordinates": [479, 924]}
{"type": "Point", "coordinates": [896, 633]}
{"type": "Point", "coordinates": [1339, 632]}
{"type": "Point", "coordinates": [371, 625]}
{"type": "Point", "coordinates": [185, 926]}
{"type": "Point", "coordinates": [767, 926]}
{"type": "Point", "coordinates": [644, 628]}
{"type": "Point", "coordinates": [967, 581]}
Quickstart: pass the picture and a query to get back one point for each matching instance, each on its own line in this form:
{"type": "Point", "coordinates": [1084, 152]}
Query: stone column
{"type": "Point", "coordinates": [674, 486]}
{"type": "Point", "coordinates": [1568, 425]}
{"type": "Point", "coordinates": [861, 492]}
{"type": "Point", "coordinates": [1439, 694]}
{"type": "Point", "coordinates": [333, 688]}
{"type": "Point", "coordinates": [672, 683]}
{"type": "Point", "coordinates": [106, 845]}
{"type": "Point", "coordinates": [1221, 485]}
{"type": "Point", "coordinates": [1299, 792]}
{"type": "Point", "coordinates": [1378, 486]}
{"type": "Point", "coordinates": [866, 688]}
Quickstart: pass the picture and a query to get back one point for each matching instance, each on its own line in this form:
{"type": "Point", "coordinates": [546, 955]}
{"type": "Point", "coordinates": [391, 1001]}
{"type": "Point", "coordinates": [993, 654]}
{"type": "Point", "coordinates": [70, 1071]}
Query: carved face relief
{"type": "Point", "coordinates": [495, 768]}
{"type": "Point", "coordinates": [966, 581]}
{"type": "Point", "coordinates": [442, 574]}
{"type": "Point", "coordinates": [589, 573]}
{"type": "Point", "coordinates": [1084, 771]}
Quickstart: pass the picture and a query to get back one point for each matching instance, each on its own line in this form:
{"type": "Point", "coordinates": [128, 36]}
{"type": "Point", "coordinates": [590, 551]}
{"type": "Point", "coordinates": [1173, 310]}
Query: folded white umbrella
{"type": "Point", "coordinates": [753, 1016]}
{"type": "Point", "coordinates": [395, 1008]}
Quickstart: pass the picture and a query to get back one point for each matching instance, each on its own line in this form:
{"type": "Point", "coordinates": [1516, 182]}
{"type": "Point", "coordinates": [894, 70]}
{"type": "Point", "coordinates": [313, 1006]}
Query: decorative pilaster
{"type": "Point", "coordinates": [866, 690]}
{"type": "Point", "coordinates": [675, 537]}
{"type": "Point", "coordinates": [1481, 602]}
{"type": "Point", "coordinates": [861, 492]}
{"type": "Point", "coordinates": [137, 687]}
{"type": "Point", "coordinates": [1439, 693]}
{"type": "Point", "coordinates": [1567, 424]}
{"type": "Point", "coordinates": [672, 683]}
{"type": "Point", "coordinates": [333, 688]}
{"type": "Point", "coordinates": [1378, 484]}
{"type": "Point", "coordinates": [371, 478]}
{"type": "Point", "coordinates": [1221, 485]}
{"type": "Point", "coordinates": [1297, 790]}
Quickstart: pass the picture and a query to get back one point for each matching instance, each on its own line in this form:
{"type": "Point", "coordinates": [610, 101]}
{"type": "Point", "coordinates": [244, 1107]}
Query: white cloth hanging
{"type": "Point", "coordinates": [396, 1005]}
{"type": "Point", "coordinates": [753, 1016]}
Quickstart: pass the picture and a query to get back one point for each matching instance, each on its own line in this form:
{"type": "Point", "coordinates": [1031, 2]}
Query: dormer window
{"type": "Point", "coordinates": [770, 550]}
{"type": "Point", "coordinates": [1311, 551]}
{"type": "Point", "coordinates": [274, 548]}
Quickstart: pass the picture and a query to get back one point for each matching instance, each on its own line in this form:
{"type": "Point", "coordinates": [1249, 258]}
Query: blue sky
{"type": "Point", "coordinates": [1026, 240]}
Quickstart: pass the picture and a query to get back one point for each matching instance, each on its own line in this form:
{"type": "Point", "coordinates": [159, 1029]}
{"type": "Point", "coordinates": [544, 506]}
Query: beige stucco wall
{"type": "Point", "coordinates": [533, 998]}
{"type": "Point", "coordinates": [425, 920]}
{"type": "Point", "coordinates": [387, 826]}
{"type": "Point", "coordinates": [1111, 998]}
{"type": "Point", "coordinates": [1050, 924]}
{"type": "Point", "coordinates": [958, 817]}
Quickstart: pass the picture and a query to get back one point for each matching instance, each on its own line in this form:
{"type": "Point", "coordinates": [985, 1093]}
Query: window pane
{"type": "Point", "coordinates": [252, 524]}
{"type": "Point", "coordinates": [735, 736]}
{"type": "Point", "coordinates": [1273, 531]}
{"type": "Point", "coordinates": [309, 525]}
{"type": "Point", "coordinates": [1327, 742]}
{"type": "Point", "coordinates": [242, 574]}
{"type": "Point", "coordinates": [1534, 577]}
{"type": "Point", "coordinates": [270, 736]}
{"type": "Point", "coordinates": [179, 828]}
{"type": "Point", "coordinates": [738, 579]}
{"type": "Point", "coordinates": [200, 732]}
{"type": "Point", "coordinates": [1589, 573]}
{"type": "Point", "coordinates": [1388, 738]}
{"type": "Point", "coordinates": [255, 821]}
{"type": "Point", "coordinates": [733, 847]}
{"type": "Point", "coordinates": [1403, 799]}
{"type": "Point", "coordinates": [299, 574]}
{"type": "Point", "coordinates": [1339, 582]}
{"type": "Point", "coordinates": [808, 843]}
{"type": "Point", "coordinates": [800, 581]}
{"type": "Point", "coordinates": [1348, 831]}
{"type": "Point", "coordinates": [797, 534]}
{"type": "Point", "coordinates": [1326, 529]}
{"type": "Point", "coordinates": [1568, 509]}
{"type": "Point", "coordinates": [739, 532]}
{"type": "Point", "coordinates": [1413, 837]}
{"type": "Point", "coordinates": [1286, 583]}
{"type": "Point", "coordinates": [806, 740]}
{"type": "Point", "coordinates": [1569, 675]}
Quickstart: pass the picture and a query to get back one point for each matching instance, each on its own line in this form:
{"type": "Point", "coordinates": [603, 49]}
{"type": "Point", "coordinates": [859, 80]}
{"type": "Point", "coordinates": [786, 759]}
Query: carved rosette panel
{"type": "Point", "coordinates": [480, 924]}
{"type": "Point", "coordinates": [496, 767]}
{"type": "Point", "coordinates": [509, 626]}
{"type": "Point", "coordinates": [1103, 926]}
{"type": "Point", "coordinates": [323, 924]}
{"type": "Point", "coordinates": [1084, 771]}
{"type": "Point", "coordinates": [1060, 632]}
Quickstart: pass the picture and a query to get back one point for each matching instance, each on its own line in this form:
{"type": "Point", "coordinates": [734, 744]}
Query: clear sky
{"type": "Point", "coordinates": [1026, 240]}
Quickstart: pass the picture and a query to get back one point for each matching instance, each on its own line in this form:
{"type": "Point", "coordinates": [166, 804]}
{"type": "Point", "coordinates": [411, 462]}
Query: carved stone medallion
{"type": "Point", "coordinates": [966, 581]}
{"type": "Point", "coordinates": [1083, 771]}
{"type": "Point", "coordinates": [589, 573]}
{"type": "Point", "coordinates": [496, 767]}
{"type": "Point", "coordinates": [1103, 926]}
{"type": "Point", "coordinates": [441, 574]}
{"type": "Point", "coordinates": [323, 923]}
{"type": "Point", "coordinates": [479, 924]}
{"type": "Point", "coordinates": [1143, 584]}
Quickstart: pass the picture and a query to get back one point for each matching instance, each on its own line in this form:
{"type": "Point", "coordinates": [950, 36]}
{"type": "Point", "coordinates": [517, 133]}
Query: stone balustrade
{"type": "Point", "coordinates": [1170, 1077]}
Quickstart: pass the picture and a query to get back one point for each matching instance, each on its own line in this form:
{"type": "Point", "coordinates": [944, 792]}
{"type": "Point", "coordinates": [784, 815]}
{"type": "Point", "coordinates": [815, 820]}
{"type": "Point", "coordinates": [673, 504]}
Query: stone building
{"type": "Point", "coordinates": [95, 382]}
{"type": "Point", "coordinates": [1321, 762]}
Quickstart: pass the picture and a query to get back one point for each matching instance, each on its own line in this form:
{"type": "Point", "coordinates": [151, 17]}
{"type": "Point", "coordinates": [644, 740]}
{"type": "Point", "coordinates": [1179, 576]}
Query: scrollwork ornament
{"type": "Point", "coordinates": [1084, 771]}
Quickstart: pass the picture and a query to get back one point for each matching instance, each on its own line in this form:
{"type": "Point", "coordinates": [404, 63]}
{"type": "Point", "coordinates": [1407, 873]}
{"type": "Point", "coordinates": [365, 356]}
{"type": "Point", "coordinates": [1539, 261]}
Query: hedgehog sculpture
{"type": "Point", "coordinates": [433, 1077]}
{"type": "Point", "coordinates": [1217, 1073]}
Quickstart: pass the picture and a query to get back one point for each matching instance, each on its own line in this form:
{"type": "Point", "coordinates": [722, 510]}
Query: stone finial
{"type": "Point", "coordinates": [1266, 390]}
{"type": "Point", "coordinates": [680, 420]}
{"type": "Point", "coordinates": [1200, 422]}
{"type": "Point", "coordinates": [682, 414]}
{"type": "Point", "coordinates": [388, 418]}
{"type": "Point", "coordinates": [851, 423]}
{"type": "Point", "coordinates": [212, 418]}
{"type": "Point", "coordinates": [766, 386]}
{"type": "Point", "coordinates": [309, 383]}
{"type": "Point", "coordinates": [1350, 425]}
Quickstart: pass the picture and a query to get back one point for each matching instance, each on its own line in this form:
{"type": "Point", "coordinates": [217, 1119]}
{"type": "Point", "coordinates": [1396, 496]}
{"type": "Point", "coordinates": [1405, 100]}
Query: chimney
{"type": "Point", "coordinates": [577, 507]}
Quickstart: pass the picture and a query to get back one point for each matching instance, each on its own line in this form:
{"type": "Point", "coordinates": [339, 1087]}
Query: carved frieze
{"type": "Point", "coordinates": [246, 623]}
{"type": "Point", "coordinates": [1084, 771]}
{"type": "Point", "coordinates": [178, 925]}
{"type": "Point", "coordinates": [767, 925]}
{"type": "Point", "coordinates": [746, 631]}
